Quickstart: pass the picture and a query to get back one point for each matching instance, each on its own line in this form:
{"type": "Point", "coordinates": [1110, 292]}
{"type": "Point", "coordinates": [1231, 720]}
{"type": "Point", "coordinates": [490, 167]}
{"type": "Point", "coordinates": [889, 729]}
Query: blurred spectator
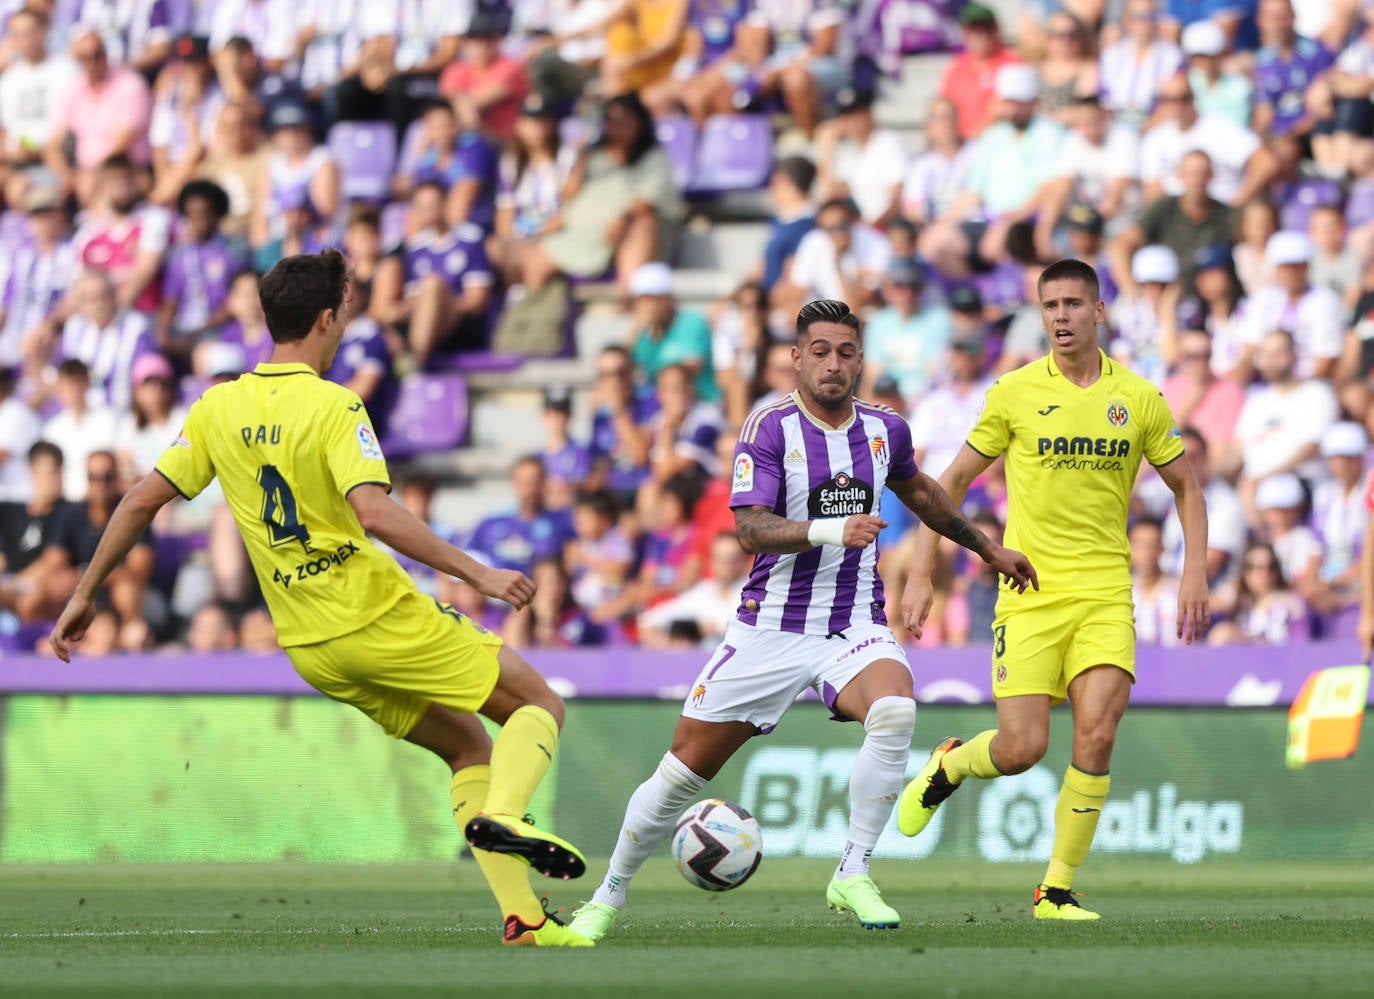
{"type": "Point", "coordinates": [1281, 503]}
{"type": "Point", "coordinates": [78, 428]}
{"type": "Point", "coordinates": [907, 338]}
{"type": "Point", "coordinates": [237, 161]}
{"type": "Point", "coordinates": [486, 87]}
{"type": "Point", "coordinates": [107, 338]}
{"type": "Point", "coordinates": [1069, 72]}
{"type": "Point", "coordinates": [1267, 610]}
{"type": "Point", "coordinates": [245, 332]}
{"type": "Point", "coordinates": [840, 258]}
{"type": "Point", "coordinates": [682, 432]}
{"type": "Point", "coordinates": [1216, 91]}
{"type": "Point", "coordinates": [124, 236]}
{"type": "Point", "coordinates": [794, 215]}
{"type": "Point", "coordinates": [858, 160]}
{"type": "Point", "coordinates": [710, 604]}
{"type": "Point", "coordinates": [41, 269]}
{"type": "Point", "coordinates": [1225, 518]}
{"type": "Point", "coordinates": [1259, 220]}
{"type": "Point", "coordinates": [671, 563]}
{"type": "Point", "coordinates": [970, 78]}
{"type": "Point", "coordinates": [1084, 227]}
{"type": "Point", "coordinates": [257, 633]}
{"type": "Point", "coordinates": [211, 630]}
{"type": "Point", "coordinates": [620, 438]}
{"type": "Point", "coordinates": [1143, 319]}
{"type": "Point", "coordinates": [1025, 339]}
{"type": "Point", "coordinates": [299, 174]}
{"type": "Point", "coordinates": [1154, 593]}
{"type": "Point", "coordinates": [300, 231]}
{"type": "Point", "coordinates": [199, 271]}
{"type": "Point", "coordinates": [980, 590]}
{"type": "Point", "coordinates": [1312, 313]}
{"type": "Point", "coordinates": [267, 25]}
{"type": "Point", "coordinates": [34, 582]}
{"type": "Point", "coordinates": [667, 334]}
{"type": "Point", "coordinates": [533, 172]}
{"type": "Point", "coordinates": [416, 494]}
{"type": "Point", "coordinates": [22, 430]}
{"type": "Point", "coordinates": [362, 364]}
{"type": "Point", "coordinates": [518, 539]}
{"type": "Point", "coordinates": [1281, 422]}
{"type": "Point", "coordinates": [1135, 69]}
{"type": "Point", "coordinates": [30, 89]}
{"type": "Point", "coordinates": [1342, 144]}
{"type": "Point", "coordinates": [362, 245]}
{"type": "Point", "coordinates": [935, 177]}
{"type": "Point", "coordinates": [813, 53]}
{"type": "Point", "coordinates": [741, 348]}
{"type": "Point", "coordinates": [1219, 310]}
{"type": "Point", "coordinates": [1234, 17]}
{"type": "Point", "coordinates": [78, 531]}
{"type": "Point", "coordinates": [186, 100]}
{"type": "Point", "coordinates": [328, 38]}
{"type": "Point", "coordinates": [1339, 516]}
{"type": "Point", "coordinates": [567, 464]}
{"type": "Point", "coordinates": [599, 556]}
{"type": "Point", "coordinates": [943, 418]}
{"type": "Point", "coordinates": [1097, 165]}
{"type": "Point", "coordinates": [104, 111]}
{"type": "Point", "coordinates": [621, 207]}
{"type": "Point", "coordinates": [1240, 164]}
{"type": "Point", "coordinates": [1185, 223]}
{"type": "Point", "coordinates": [723, 60]}
{"type": "Point", "coordinates": [553, 618]}
{"type": "Point", "coordinates": [643, 44]}
{"type": "Point", "coordinates": [152, 421]}
{"type": "Point", "coordinates": [1009, 164]}
{"type": "Point", "coordinates": [1286, 66]}
{"type": "Point", "coordinates": [777, 376]}
{"type": "Point", "coordinates": [1334, 263]}
{"type": "Point", "coordinates": [1197, 396]}
{"type": "Point", "coordinates": [437, 286]}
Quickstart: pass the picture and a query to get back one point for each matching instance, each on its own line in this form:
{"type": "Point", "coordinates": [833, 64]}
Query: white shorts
{"type": "Point", "coordinates": [755, 674]}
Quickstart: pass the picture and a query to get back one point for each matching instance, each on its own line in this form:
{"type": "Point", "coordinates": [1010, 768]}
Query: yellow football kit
{"type": "Point", "coordinates": [287, 447]}
{"type": "Point", "coordinates": [1072, 456]}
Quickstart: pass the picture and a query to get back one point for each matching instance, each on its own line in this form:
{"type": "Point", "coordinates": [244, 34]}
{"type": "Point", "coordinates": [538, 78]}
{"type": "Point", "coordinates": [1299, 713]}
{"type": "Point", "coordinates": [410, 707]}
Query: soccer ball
{"type": "Point", "coordinates": [717, 845]}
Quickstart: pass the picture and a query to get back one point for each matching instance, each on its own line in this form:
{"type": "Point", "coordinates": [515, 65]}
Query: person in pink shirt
{"type": "Point", "coordinates": [487, 88]}
{"type": "Point", "coordinates": [1197, 397]}
{"type": "Point", "coordinates": [968, 79]}
{"type": "Point", "coordinates": [105, 110]}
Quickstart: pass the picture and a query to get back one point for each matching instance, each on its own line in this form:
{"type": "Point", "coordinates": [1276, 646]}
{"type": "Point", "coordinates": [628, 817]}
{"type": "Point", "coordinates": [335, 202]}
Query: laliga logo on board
{"type": "Point", "coordinates": [1117, 415]}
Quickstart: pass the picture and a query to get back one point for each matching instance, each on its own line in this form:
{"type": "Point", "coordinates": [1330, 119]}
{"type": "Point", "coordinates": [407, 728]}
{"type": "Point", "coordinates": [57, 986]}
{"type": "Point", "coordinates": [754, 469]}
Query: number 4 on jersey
{"type": "Point", "coordinates": [279, 510]}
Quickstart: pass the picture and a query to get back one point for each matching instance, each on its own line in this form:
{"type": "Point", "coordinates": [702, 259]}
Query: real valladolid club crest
{"type": "Point", "coordinates": [1117, 415]}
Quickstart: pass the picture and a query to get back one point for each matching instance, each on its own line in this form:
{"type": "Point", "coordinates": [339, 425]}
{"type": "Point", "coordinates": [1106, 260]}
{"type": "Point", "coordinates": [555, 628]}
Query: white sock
{"type": "Point", "coordinates": [653, 810]}
{"type": "Point", "coordinates": [879, 770]}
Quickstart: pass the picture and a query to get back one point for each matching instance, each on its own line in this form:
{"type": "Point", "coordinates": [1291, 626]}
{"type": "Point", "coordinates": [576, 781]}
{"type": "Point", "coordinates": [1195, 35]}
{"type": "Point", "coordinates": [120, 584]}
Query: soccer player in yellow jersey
{"type": "Point", "coordinates": [1073, 426]}
{"type": "Point", "coordinates": [305, 478]}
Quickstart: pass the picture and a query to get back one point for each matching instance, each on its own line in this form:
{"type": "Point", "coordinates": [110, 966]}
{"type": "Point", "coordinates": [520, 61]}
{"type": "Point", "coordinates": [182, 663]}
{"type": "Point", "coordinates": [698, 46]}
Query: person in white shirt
{"type": "Point", "coordinates": [942, 420]}
{"type": "Point", "coordinates": [1098, 165]}
{"type": "Point", "coordinates": [1153, 591]}
{"type": "Point", "coordinates": [1133, 69]}
{"type": "Point", "coordinates": [1226, 528]}
{"type": "Point", "coordinates": [22, 430]}
{"type": "Point", "coordinates": [1339, 516]}
{"type": "Point", "coordinates": [1312, 313]}
{"type": "Point", "coordinates": [860, 160]}
{"type": "Point", "coordinates": [78, 429]}
{"type": "Point", "coordinates": [29, 89]}
{"type": "Point", "coordinates": [709, 604]}
{"type": "Point", "coordinates": [842, 258]}
{"type": "Point", "coordinates": [935, 177]}
{"type": "Point", "coordinates": [1281, 503]}
{"type": "Point", "coordinates": [1241, 164]}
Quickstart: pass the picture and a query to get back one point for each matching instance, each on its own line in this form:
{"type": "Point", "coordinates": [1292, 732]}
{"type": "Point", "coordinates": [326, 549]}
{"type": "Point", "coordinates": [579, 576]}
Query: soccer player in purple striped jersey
{"type": "Point", "coordinates": [809, 475]}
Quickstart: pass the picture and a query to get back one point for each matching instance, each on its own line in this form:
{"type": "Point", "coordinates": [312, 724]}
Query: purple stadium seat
{"type": "Point", "coordinates": [678, 137]}
{"type": "Point", "coordinates": [1304, 196]}
{"type": "Point", "coordinates": [487, 362]}
{"type": "Point", "coordinates": [431, 414]}
{"type": "Point", "coordinates": [393, 225]}
{"type": "Point", "coordinates": [410, 146]}
{"type": "Point", "coordinates": [366, 154]}
{"type": "Point", "coordinates": [735, 153]}
{"type": "Point", "coordinates": [1359, 207]}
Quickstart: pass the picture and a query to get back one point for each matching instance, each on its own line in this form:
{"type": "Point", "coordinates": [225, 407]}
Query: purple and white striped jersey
{"type": "Point", "coordinates": [800, 469]}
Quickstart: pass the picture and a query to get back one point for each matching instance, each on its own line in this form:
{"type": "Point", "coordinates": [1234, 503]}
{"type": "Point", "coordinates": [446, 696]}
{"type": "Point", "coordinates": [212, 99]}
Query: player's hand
{"type": "Point", "coordinates": [861, 530]}
{"type": "Point", "coordinates": [71, 626]}
{"type": "Point", "coordinates": [917, 597]}
{"type": "Point", "coordinates": [1013, 566]}
{"type": "Point", "coordinates": [1194, 608]}
{"type": "Point", "coordinates": [515, 588]}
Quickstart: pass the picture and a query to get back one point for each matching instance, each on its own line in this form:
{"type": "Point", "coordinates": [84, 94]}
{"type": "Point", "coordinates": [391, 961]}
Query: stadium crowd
{"type": "Point", "coordinates": [1214, 159]}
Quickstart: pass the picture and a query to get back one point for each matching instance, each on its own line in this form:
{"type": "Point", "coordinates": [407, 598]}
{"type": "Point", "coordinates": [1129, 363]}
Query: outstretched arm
{"type": "Point", "coordinates": [127, 524]}
{"type": "Point", "coordinates": [760, 531]}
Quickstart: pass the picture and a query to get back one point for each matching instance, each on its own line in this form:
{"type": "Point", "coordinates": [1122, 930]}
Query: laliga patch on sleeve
{"type": "Point", "coordinates": [744, 473]}
{"type": "Point", "coordinates": [181, 439]}
{"type": "Point", "coordinates": [367, 442]}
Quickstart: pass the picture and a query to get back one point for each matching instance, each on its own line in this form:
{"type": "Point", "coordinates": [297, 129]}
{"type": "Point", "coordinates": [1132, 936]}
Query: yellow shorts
{"type": "Point", "coordinates": [416, 653]}
{"type": "Point", "coordinates": [1039, 645]}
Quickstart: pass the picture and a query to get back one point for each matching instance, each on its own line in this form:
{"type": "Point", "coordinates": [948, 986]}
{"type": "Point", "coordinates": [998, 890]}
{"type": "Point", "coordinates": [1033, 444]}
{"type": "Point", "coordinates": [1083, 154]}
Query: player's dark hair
{"type": "Point", "coordinates": [207, 190]}
{"type": "Point", "coordinates": [298, 289]}
{"type": "Point", "coordinates": [599, 502]}
{"type": "Point", "coordinates": [825, 310]}
{"type": "Point", "coordinates": [48, 448]}
{"type": "Point", "coordinates": [799, 171]}
{"type": "Point", "coordinates": [1070, 269]}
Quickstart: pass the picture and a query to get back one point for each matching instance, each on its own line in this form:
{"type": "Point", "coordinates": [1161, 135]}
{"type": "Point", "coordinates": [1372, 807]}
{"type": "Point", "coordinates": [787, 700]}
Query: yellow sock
{"type": "Point", "coordinates": [972, 759]}
{"type": "Point", "coordinates": [1075, 820]}
{"type": "Point", "coordinates": [521, 756]}
{"type": "Point", "coordinates": [508, 877]}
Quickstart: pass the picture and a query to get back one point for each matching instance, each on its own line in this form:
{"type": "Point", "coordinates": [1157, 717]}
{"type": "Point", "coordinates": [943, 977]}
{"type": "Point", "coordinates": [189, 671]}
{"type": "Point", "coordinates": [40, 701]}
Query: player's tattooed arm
{"type": "Point", "coordinates": [762, 531]}
{"type": "Point", "coordinates": [925, 497]}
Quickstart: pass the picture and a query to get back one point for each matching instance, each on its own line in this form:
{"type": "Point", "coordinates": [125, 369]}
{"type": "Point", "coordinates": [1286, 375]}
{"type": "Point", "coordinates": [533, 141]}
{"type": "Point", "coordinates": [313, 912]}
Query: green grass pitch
{"type": "Point", "coordinates": [1221, 928]}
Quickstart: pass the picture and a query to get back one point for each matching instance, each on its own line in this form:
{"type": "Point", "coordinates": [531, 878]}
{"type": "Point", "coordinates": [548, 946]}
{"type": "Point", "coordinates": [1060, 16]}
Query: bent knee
{"type": "Point", "coordinates": [1017, 755]}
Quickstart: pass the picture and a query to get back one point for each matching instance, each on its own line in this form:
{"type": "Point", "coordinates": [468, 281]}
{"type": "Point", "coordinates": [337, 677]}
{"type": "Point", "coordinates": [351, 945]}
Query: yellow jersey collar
{"type": "Point", "coordinates": [1052, 369]}
{"type": "Point", "coordinates": [801, 406]}
{"type": "Point", "coordinates": [269, 370]}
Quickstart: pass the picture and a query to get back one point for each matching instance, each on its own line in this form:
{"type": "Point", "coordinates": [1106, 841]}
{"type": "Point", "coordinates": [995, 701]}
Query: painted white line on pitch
{"type": "Point", "coordinates": [341, 931]}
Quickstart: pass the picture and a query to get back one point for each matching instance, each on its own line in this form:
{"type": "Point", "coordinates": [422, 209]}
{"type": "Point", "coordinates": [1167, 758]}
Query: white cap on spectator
{"type": "Point", "coordinates": [651, 279]}
{"type": "Point", "coordinates": [1018, 82]}
{"type": "Point", "coordinates": [1204, 38]}
{"type": "Point", "coordinates": [224, 359]}
{"type": "Point", "coordinates": [1346, 439]}
{"type": "Point", "coordinates": [1279, 492]}
{"type": "Point", "coordinates": [1288, 247]}
{"type": "Point", "coordinates": [1154, 264]}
